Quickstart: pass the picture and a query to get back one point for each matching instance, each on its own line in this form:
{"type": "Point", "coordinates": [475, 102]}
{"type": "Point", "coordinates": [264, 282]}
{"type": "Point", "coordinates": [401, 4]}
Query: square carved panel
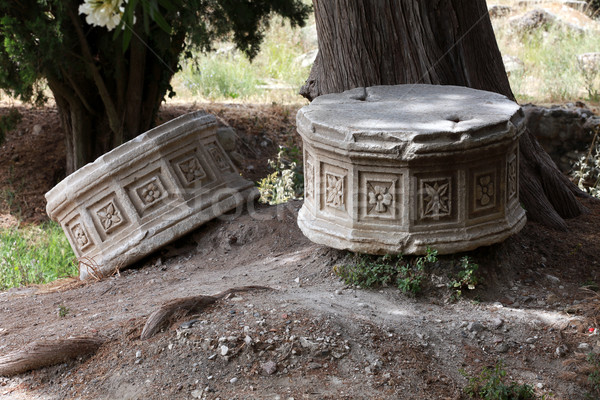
{"type": "Point", "coordinates": [379, 196]}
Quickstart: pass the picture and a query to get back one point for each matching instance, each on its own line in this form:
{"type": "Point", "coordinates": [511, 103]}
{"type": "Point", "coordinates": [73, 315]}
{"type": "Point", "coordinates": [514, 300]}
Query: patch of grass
{"type": "Point", "coordinates": [551, 71]}
{"type": "Point", "coordinates": [466, 277]}
{"type": "Point", "coordinates": [490, 385]}
{"type": "Point", "coordinates": [34, 254]}
{"type": "Point", "coordinates": [227, 74]}
{"type": "Point", "coordinates": [221, 75]}
{"type": "Point", "coordinates": [372, 271]}
{"type": "Point", "coordinates": [594, 376]}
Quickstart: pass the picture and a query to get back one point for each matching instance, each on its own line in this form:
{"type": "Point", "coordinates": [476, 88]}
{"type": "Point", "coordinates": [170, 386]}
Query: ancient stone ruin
{"type": "Point", "coordinates": [397, 169]}
{"type": "Point", "coordinates": [147, 193]}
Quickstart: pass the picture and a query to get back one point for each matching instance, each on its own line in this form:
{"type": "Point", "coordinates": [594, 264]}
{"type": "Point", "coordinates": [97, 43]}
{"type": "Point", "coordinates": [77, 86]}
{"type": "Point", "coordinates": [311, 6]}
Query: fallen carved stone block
{"type": "Point", "coordinates": [397, 169]}
{"type": "Point", "coordinates": [147, 193]}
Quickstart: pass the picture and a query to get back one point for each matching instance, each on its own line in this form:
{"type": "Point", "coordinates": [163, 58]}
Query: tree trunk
{"type": "Point", "coordinates": [446, 42]}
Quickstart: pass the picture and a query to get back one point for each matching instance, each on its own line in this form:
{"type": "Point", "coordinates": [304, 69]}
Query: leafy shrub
{"type": "Point", "coordinates": [285, 183]}
{"type": "Point", "coordinates": [371, 271]}
{"type": "Point", "coordinates": [466, 277]}
{"type": "Point", "coordinates": [490, 385]}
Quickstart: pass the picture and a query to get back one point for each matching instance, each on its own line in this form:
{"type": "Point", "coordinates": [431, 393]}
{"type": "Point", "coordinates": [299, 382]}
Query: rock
{"type": "Point", "coordinates": [534, 19]}
{"type": "Point", "coordinates": [233, 380]}
{"type": "Point", "coordinates": [269, 368]}
{"type": "Point", "coordinates": [475, 327]}
{"type": "Point", "coordinates": [197, 394]}
{"type": "Point", "coordinates": [561, 350]}
{"type": "Point", "coordinates": [531, 340]}
{"type": "Point", "coordinates": [138, 354]}
{"type": "Point", "coordinates": [499, 11]}
{"type": "Point", "coordinates": [37, 129]}
{"type": "Point", "coordinates": [237, 158]}
{"type": "Point", "coordinates": [562, 130]}
{"type": "Point", "coordinates": [146, 193]}
{"type": "Point", "coordinates": [188, 324]}
{"type": "Point", "coordinates": [307, 59]}
{"type": "Point", "coordinates": [584, 346]}
{"type": "Point", "coordinates": [228, 138]}
{"type": "Point", "coordinates": [224, 350]}
{"type": "Point", "coordinates": [502, 348]}
{"type": "Point", "coordinates": [497, 323]}
{"type": "Point", "coordinates": [314, 365]}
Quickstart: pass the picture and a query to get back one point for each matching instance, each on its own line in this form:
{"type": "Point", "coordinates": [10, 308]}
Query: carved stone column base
{"type": "Point", "coordinates": [146, 193]}
{"type": "Point", "coordinates": [397, 169]}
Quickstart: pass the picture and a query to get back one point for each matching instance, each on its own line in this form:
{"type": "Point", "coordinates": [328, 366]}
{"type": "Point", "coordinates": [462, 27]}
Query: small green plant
{"type": "Point", "coordinates": [63, 311]}
{"type": "Point", "coordinates": [284, 184]}
{"type": "Point", "coordinates": [371, 271]}
{"type": "Point", "coordinates": [9, 122]}
{"type": "Point", "coordinates": [466, 277]}
{"type": "Point", "coordinates": [594, 375]}
{"type": "Point", "coordinates": [34, 254]}
{"type": "Point", "coordinates": [490, 385]}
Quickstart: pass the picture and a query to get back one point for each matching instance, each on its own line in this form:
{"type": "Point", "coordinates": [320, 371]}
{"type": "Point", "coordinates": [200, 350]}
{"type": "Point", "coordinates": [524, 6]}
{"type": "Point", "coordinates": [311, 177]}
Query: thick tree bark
{"type": "Point", "coordinates": [447, 42]}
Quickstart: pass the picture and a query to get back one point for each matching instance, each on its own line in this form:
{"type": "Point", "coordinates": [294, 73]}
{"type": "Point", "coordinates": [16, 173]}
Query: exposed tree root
{"type": "Point", "coordinates": [178, 308]}
{"type": "Point", "coordinates": [44, 353]}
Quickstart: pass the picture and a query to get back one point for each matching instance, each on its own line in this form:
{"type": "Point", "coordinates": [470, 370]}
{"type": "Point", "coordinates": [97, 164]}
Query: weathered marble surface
{"type": "Point", "coordinates": [397, 169]}
{"type": "Point", "coordinates": [147, 193]}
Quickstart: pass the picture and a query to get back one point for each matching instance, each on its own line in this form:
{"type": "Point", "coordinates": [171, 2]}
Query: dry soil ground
{"type": "Point", "coordinates": [310, 336]}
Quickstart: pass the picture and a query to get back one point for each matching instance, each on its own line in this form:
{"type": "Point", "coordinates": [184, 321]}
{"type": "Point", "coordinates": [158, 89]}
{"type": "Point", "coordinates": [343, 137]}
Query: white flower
{"type": "Point", "coordinates": [107, 13]}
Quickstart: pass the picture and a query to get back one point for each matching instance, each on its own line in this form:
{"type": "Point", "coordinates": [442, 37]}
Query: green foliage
{"type": "Point", "coordinates": [466, 277]}
{"type": "Point", "coordinates": [594, 375]}
{"type": "Point", "coordinates": [227, 74]}
{"type": "Point", "coordinates": [587, 169]}
{"type": "Point", "coordinates": [551, 71]}
{"type": "Point", "coordinates": [34, 254]}
{"type": "Point", "coordinates": [222, 75]}
{"type": "Point", "coordinates": [9, 122]}
{"type": "Point", "coordinates": [490, 385]}
{"type": "Point", "coordinates": [285, 183]}
{"type": "Point", "coordinates": [63, 311]}
{"type": "Point", "coordinates": [371, 271]}
{"type": "Point", "coordinates": [115, 87]}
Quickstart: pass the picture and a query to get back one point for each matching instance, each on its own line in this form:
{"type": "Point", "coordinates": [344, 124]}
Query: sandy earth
{"type": "Point", "coordinates": [312, 336]}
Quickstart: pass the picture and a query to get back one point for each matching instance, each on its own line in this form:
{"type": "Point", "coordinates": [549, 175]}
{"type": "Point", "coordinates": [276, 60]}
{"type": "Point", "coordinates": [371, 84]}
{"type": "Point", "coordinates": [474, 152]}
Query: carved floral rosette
{"type": "Point", "coordinates": [397, 169]}
{"type": "Point", "coordinates": [147, 193]}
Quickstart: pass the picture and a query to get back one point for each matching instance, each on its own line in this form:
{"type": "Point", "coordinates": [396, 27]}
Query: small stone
{"type": "Point", "coordinates": [338, 292]}
{"type": "Point", "coordinates": [233, 380]}
{"type": "Point", "coordinates": [497, 323]}
{"type": "Point", "coordinates": [248, 340]}
{"type": "Point", "coordinates": [224, 350]}
{"type": "Point", "coordinates": [561, 350]}
{"type": "Point", "coordinates": [314, 365]}
{"type": "Point", "coordinates": [475, 327]}
{"type": "Point", "coordinates": [531, 340]}
{"type": "Point", "coordinates": [269, 368]}
{"type": "Point", "coordinates": [197, 394]}
{"type": "Point", "coordinates": [583, 346]}
{"type": "Point", "coordinates": [212, 356]}
{"type": "Point", "coordinates": [188, 324]}
{"type": "Point", "coordinates": [138, 354]}
{"type": "Point", "coordinates": [502, 348]}
{"type": "Point", "coordinates": [540, 385]}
